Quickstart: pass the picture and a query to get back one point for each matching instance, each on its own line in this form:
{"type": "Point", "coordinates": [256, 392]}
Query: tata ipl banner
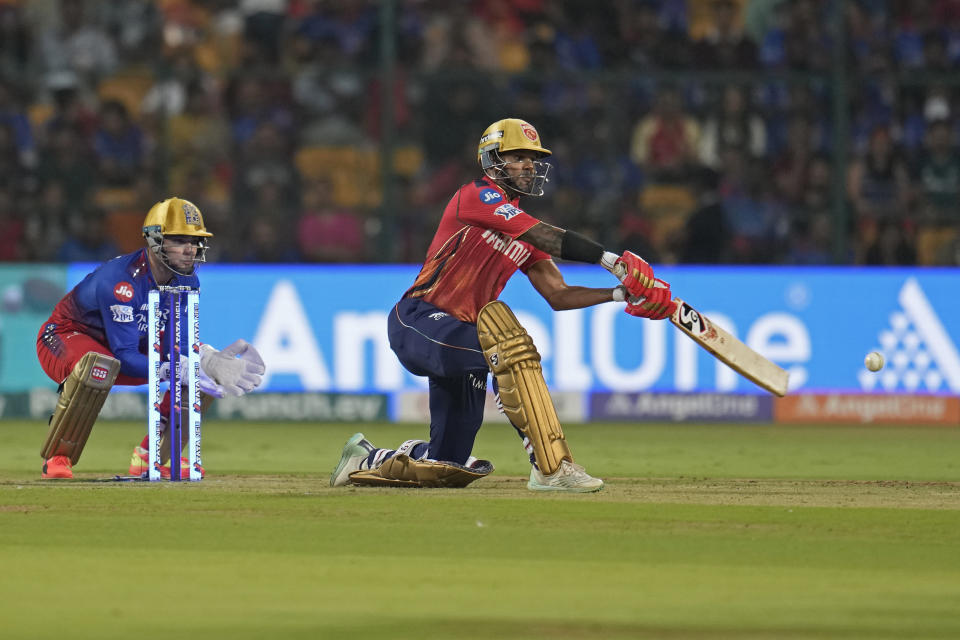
{"type": "Point", "coordinates": [323, 328]}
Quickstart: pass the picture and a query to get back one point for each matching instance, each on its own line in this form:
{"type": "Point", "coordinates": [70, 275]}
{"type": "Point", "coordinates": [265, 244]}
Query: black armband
{"type": "Point", "coordinates": [579, 248]}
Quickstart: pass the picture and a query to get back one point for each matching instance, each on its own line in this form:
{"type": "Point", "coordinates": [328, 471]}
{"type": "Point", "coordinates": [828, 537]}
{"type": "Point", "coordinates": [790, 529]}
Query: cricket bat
{"type": "Point", "coordinates": [722, 345]}
{"type": "Point", "coordinates": [726, 348]}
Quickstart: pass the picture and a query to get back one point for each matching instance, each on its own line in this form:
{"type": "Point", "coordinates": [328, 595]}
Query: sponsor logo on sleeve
{"type": "Point", "coordinates": [490, 196]}
{"type": "Point", "coordinates": [507, 211]}
{"type": "Point", "coordinates": [122, 313]}
{"type": "Point", "coordinates": [123, 291]}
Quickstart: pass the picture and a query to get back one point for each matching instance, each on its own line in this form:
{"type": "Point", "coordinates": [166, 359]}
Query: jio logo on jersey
{"type": "Point", "coordinates": [123, 291]}
{"type": "Point", "coordinates": [490, 196]}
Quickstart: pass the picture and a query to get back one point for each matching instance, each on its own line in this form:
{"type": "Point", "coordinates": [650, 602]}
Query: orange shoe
{"type": "Point", "coordinates": [57, 467]}
{"type": "Point", "coordinates": [140, 464]}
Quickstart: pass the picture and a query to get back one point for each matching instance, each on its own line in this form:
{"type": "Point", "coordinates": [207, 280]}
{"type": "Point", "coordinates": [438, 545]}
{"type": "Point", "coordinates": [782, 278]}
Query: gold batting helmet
{"type": "Point", "coordinates": [509, 134]}
{"type": "Point", "coordinates": [175, 217]}
{"type": "Point", "coordinates": [512, 134]}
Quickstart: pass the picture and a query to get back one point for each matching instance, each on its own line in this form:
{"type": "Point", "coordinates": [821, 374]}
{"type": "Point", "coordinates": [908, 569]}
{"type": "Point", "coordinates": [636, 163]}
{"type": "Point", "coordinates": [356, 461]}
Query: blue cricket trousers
{"type": "Point", "coordinates": [430, 342]}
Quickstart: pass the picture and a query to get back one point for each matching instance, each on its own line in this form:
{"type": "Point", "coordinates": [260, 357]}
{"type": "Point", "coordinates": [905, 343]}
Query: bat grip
{"type": "Point", "coordinates": [609, 260]}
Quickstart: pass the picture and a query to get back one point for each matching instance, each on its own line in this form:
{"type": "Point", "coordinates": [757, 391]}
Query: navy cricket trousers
{"type": "Point", "coordinates": [430, 342]}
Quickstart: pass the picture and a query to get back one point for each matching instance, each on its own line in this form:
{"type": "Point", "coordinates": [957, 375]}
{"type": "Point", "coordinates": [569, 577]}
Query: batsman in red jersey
{"type": "Point", "coordinates": [450, 327]}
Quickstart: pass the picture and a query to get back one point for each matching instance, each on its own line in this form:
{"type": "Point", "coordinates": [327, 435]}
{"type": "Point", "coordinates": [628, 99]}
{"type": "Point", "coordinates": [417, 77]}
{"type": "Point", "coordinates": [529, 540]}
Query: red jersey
{"type": "Point", "coordinates": [475, 251]}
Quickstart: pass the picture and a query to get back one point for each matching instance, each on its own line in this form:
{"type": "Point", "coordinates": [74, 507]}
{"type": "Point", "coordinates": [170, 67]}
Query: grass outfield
{"type": "Point", "coordinates": [702, 532]}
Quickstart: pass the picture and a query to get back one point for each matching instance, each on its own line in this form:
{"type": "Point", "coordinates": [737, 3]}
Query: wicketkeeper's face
{"type": "Point", "coordinates": [181, 251]}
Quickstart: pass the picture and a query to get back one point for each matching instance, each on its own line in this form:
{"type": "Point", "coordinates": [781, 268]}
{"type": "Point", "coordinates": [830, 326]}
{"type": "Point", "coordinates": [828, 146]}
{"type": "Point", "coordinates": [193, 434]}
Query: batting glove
{"type": "Point", "coordinates": [637, 274]}
{"type": "Point", "coordinates": [657, 305]}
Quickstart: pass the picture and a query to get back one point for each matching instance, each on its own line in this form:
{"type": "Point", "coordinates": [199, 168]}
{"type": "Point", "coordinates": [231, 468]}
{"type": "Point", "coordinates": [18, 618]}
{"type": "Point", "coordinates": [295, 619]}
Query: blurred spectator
{"type": "Point", "coordinates": [707, 235]}
{"type": "Point", "coordinates": [118, 145]}
{"type": "Point", "coordinates": [790, 166]}
{"type": "Point", "coordinates": [89, 240]}
{"type": "Point", "coordinates": [77, 43]}
{"type": "Point", "coordinates": [69, 107]}
{"type": "Point", "coordinates": [14, 176]}
{"type": "Point", "coordinates": [265, 160]}
{"type": "Point", "coordinates": [757, 219]}
{"type": "Point", "coordinates": [169, 94]}
{"type": "Point", "coordinates": [14, 117]}
{"type": "Point", "coordinates": [725, 46]}
{"type": "Point", "coordinates": [67, 161]}
{"type": "Point", "coordinates": [732, 127]}
{"type": "Point", "coordinates": [15, 43]}
{"type": "Point", "coordinates": [253, 102]}
{"type": "Point", "coordinates": [199, 133]}
{"type": "Point", "coordinates": [349, 24]}
{"type": "Point", "coordinates": [266, 241]}
{"type": "Point", "coordinates": [886, 244]}
{"type": "Point", "coordinates": [46, 228]}
{"type": "Point", "coordinates": [325, 232]}
{"type": "Point", "coordinates": [938, 174]}
{"type": "Point", "coordinates": [456, 39]}
{"type": "Point", "coordinates": [12, 228]}
{"type": "Point", "coordinates": [646, 44]}
{"type": "Point", "coordinates": [806, 44]}
{"type": "Point", "coordinates": [878, 181]}
{"type": "Point", "coordinates": [665, 141]}
{"type": "Point", "coordinates": [263, 23]}
{"type": "Point", "coordinates": [811, 228]}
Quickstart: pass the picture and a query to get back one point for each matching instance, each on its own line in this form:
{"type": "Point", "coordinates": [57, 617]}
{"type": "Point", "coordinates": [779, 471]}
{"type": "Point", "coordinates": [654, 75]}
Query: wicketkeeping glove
{"type": "Point", "coordinates": [656, 306]}
{"type": "Point", "coordinates": [237, 375]}
{"type": "Point", "coordinates": [207, 385]}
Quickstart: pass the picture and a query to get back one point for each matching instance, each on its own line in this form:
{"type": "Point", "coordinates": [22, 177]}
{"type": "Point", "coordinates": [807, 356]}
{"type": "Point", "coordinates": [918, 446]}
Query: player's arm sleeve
{"type": "Point", "coordinates": [123, 336]}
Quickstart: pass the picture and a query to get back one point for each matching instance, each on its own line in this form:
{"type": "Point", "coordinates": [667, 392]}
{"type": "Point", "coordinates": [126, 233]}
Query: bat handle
{"type": "Point", "coordinates": [609, 262]}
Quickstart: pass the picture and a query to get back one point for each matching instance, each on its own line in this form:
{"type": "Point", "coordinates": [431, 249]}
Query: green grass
{"type": "Point", "coordinates": [702, 532]}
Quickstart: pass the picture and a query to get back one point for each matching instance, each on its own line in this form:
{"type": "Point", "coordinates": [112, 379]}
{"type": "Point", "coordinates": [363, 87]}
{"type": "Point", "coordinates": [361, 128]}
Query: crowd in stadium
{"type": "Point", "coordinates": [697, 131]}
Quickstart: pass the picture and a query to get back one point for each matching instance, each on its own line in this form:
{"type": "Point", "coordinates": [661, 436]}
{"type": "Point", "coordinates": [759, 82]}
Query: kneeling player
{"type": "Point", "coordinates": [450, 327]}
{"type": "Point", "coordinates": [96, 336]}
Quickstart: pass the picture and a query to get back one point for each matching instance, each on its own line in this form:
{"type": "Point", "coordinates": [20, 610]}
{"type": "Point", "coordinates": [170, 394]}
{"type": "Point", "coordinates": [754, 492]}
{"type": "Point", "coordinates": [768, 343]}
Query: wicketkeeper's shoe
{"type": "Point", "coordinates": [354, 453]}
{"type": "Point", "coordinates": [57, 467]}
{"type": "Point", "coordinates": [140, 465]}
{"type": "Point", "coordinates": [569, 477]}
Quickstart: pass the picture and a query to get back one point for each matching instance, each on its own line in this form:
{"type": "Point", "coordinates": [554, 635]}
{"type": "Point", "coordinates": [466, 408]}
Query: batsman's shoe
{"type": "Point", "coordinates": [354, 453]}
{"type": "Point", "coordinates": [140, 464]}
{"type": "Point", "coordinates": [57, 467]}
{"type": "Point", "coordinates": [569, 477]}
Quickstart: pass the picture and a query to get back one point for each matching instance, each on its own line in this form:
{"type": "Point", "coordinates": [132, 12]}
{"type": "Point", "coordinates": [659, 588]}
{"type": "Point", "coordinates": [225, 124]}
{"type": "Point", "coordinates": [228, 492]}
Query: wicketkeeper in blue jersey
{"type": "Point", "coordinates": [96, 336]}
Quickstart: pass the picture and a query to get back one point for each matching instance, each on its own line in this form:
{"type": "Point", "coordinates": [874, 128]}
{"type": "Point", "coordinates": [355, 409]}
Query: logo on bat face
{"type": "Point", "coordinates": [690, 320]}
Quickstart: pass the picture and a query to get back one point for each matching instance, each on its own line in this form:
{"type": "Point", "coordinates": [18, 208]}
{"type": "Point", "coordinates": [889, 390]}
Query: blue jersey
{"type": "Point", "coordinates": [110, 306]}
